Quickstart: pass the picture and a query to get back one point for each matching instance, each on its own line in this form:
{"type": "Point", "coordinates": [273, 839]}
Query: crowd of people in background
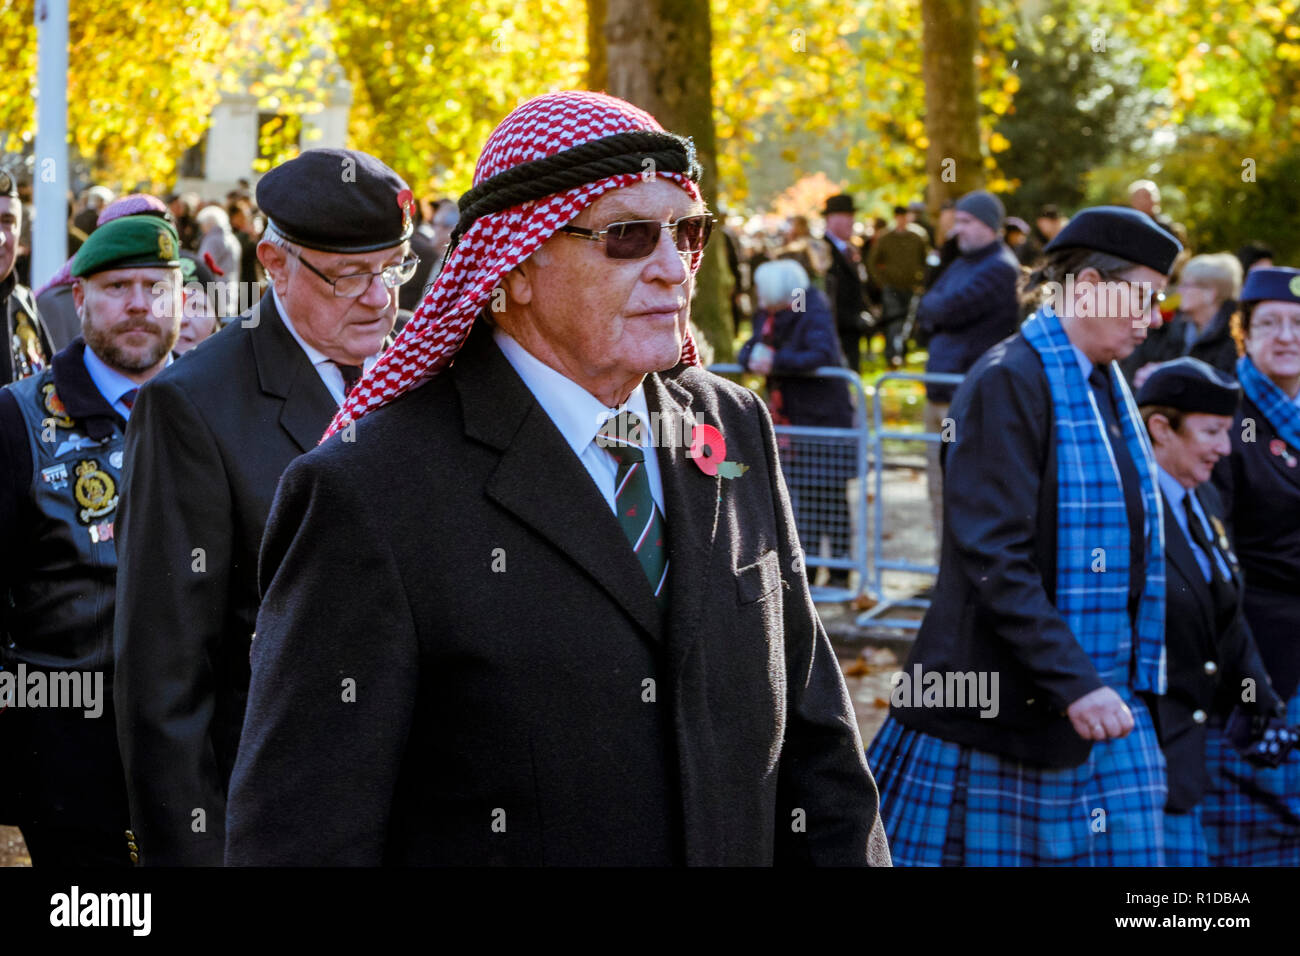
{"type": "Point", "coordinates": [876, 272]}
{"type": "Point", "coordinates": [219, 245]}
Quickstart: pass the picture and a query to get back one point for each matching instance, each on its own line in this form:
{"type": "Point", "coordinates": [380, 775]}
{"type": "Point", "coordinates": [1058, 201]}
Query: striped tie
{"type": "Point", "coordinates": [642, 521]}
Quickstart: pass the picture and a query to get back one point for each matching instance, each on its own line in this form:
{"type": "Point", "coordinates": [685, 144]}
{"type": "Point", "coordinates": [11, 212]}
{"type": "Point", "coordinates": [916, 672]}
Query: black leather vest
{"type": "Point", "coordinates": [62, 598]}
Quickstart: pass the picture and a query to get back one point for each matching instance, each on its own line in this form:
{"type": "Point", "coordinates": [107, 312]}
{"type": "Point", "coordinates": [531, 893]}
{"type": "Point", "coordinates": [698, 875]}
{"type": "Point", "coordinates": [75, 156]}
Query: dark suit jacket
{"type": "Point", "coordinates": [460, 661]}
{"type": "Point", "coordinates": [207, 442]}
{"type": "Point", "coordinates": [993, 608]}
{"type": "Point", "coordinates": [1194, 637]}
{"type": "Point", "coordinates": [1262, 495]}
{"type": "Point", "coordinates": [844, 286]}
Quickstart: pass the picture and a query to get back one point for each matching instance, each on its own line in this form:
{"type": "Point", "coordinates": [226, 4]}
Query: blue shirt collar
{"type": "Point", "coordinates": [111, 383]}
{"type": "Point", "coordinates": [1170, 487]}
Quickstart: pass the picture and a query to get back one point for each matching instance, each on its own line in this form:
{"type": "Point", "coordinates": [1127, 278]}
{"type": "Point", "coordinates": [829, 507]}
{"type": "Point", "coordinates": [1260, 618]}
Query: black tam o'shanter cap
{"type": "Point", "coordinates": [1190, 385]}
{"type": "Point", "coordinates": [338, 200]}
{"type": "Point", "coordinates": [1120, 231]}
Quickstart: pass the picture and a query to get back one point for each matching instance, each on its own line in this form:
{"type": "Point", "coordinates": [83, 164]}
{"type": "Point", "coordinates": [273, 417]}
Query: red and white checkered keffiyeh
{"type": "Point", "coordinates": [498, 242]}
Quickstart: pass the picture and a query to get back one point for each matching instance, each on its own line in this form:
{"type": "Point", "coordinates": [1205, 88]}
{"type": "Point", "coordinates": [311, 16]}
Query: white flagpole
{"type": "Point", "coordinates": [50, 179]}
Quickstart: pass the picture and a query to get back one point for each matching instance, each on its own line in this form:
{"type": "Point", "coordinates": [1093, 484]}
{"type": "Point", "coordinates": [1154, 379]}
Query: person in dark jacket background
{"type": "Point", "coordinates": [1214, 666]}
{"type": "Point", "coordinates": [968, 310]}
{"type": "Point", "coordinates": [846, 277]}
{"type": "Point", "coordinates": [1208, 288]}
{"type": "Point", "coordinates": [796, 333]}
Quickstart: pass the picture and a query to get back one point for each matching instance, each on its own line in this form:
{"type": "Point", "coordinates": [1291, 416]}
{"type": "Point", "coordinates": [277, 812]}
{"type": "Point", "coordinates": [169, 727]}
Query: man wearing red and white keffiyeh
{"type": "Point", "coordinates": [493, 244]}
{"type": "Point", "coordinates": [540, 598]}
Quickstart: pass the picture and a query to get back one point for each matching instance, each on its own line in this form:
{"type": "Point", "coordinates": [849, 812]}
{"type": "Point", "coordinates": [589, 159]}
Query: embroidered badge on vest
{"type": "Point", "coordinates": [95, 491]}
{"type": "Point", "coordinates": [54, 405]}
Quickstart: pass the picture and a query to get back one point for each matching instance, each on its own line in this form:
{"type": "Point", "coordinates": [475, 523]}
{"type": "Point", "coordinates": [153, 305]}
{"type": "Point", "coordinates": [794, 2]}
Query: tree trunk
{"type": "Point", "coordinates": [597, 61]}
{"type": "Point", "coordinates": [659, 56]}
{"type": "Point", "coordinates": [952, 162]}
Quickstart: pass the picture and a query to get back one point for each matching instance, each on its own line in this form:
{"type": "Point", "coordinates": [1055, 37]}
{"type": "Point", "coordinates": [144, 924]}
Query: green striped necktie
{"type": "Point", "coordinates": [639, 515]}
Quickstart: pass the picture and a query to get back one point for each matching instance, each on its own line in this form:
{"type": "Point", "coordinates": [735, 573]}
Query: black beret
{"type": "Point", "coordinates": [840, 203]}
{"type": "Point", "coordinates": [337, 200]}
{"type": "Point", "coordinates": [1276, 284]}
{"type": "Point", "coordinates": [1120, 231]}
{"type": "Point", "coordinates": [1190, 385]}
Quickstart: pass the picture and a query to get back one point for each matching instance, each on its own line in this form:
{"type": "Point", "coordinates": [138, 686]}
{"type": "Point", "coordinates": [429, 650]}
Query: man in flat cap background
{"type": "Point", "coordinates": [1051, 578]}
{"type": "Point", "coordinates": [61, 441]}
{"type": "Point", "coordinates": [28, 348]}
{"type": "Point", "coordinates": [550, 640]}
{"type": "Point", "coordinates": [206, 449]}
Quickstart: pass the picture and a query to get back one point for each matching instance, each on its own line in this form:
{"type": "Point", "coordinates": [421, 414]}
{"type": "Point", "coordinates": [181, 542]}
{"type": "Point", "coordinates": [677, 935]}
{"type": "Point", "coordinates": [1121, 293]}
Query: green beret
{"type": "Point", "coordinates": [131, 242]}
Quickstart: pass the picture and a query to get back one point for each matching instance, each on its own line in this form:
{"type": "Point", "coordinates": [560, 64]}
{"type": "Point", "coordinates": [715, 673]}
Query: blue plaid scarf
{"type": "Point", "coordinates": [1091, 515]}
{"type": "Point", "coordinates": [1280, 411]}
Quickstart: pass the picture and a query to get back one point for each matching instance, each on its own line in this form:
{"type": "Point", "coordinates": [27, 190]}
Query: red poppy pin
{"type": "Point", "coordinates": [709, 449]}
{"type": "Point", "coordinates": [406, 202]}
{"type": "Point", "coordinates": [1278, 447]}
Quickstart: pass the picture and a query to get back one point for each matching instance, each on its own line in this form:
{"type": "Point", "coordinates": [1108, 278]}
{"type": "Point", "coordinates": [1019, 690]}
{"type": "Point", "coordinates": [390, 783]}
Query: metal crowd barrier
{"type": "Point", "coordinates": [826, 473]}
{"type": "Point", "coordinates": [877, 616]}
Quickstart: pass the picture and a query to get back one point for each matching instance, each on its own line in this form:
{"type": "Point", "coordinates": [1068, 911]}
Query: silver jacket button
{"type": "Point", "coordinates": [1198, 716]}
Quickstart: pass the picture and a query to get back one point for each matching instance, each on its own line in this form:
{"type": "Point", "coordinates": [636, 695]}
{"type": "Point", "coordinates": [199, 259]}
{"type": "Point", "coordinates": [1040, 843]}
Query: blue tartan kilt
{"type": "Point", "coordinates": [946, 804]}
{"type": "Point", "coordinates": [1185, 839]}
{"type": "Point", "coordinates": [1251, 814]}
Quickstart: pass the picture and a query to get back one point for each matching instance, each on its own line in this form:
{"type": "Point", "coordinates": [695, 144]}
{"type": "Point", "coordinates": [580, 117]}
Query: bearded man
{"type": "Point", "coordinates": [61, 440]}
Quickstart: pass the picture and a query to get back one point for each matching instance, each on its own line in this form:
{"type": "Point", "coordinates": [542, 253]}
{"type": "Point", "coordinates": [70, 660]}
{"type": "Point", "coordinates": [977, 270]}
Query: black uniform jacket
{"type": "Point", "coordinates": [993, 609]}
{"type": "Point", "coordinates": [1261, 492]}
{"type": "Point", "coordinates": [460, 661]}
{"type": "Point", "coordinates": [1209, 652]}
{"type": "Point", "coordinates": [208, 440]}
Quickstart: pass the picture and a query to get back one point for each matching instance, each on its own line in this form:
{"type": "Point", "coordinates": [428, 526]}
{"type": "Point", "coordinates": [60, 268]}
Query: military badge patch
{"type": "Point", "coordinates": [56, 476]}
{"type": "Point", "coordinates": [54, 405]}
{"type": "Point", "coordinates": [166, 246]}
{"type": "Point", "coordinates": [95, 491]}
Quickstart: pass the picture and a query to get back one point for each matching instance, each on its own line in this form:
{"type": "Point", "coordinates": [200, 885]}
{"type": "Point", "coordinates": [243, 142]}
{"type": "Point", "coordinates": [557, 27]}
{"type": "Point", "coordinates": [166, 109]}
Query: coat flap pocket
{"type": "Point", "coordinates": [755, 582]}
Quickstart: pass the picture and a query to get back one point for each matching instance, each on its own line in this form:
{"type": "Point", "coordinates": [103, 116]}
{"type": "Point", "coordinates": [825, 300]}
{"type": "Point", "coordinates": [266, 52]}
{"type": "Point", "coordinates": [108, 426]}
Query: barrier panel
{"type": "Point", "coordinates": [877, 616]}
{"type": "Point", "coordinates": [826, 473]}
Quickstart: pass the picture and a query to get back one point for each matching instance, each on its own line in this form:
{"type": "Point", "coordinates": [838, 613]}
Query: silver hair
{"type": "Point", "coordinates": [213, 214]}
{"type": "Point", "coordinates": [777, 282]}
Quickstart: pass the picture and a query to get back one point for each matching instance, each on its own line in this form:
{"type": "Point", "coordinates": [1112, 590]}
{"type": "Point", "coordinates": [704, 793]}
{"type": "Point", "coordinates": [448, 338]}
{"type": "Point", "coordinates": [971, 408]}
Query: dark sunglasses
{"type": "Point", "coordinates": [637, 238]}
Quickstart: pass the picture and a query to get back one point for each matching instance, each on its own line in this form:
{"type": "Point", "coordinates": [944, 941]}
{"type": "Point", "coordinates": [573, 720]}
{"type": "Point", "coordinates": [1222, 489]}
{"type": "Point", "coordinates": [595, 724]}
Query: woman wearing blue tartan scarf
{"type": "Point", "coordinates": [1251, 814]}
{"type": "Point", "coordinates": [1051, 589]}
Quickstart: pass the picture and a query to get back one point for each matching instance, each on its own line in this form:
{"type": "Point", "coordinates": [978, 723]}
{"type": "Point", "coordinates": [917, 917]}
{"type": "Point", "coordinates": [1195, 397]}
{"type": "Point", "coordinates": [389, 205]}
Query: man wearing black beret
{"type": "Point", "coordinates": [61, 440]}
{"type": "Point", "coordinates": [208, 442]}
{"type": "Point", "coordinates": [1051, 582]}
{"type": "Point", "coordinates": [1213, 664]}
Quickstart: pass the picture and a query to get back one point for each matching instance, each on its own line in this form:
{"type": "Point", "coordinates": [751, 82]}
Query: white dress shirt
{"type": "Point", "coordinates": [111, 383]}
{"type": "Point", "coordinates": [579, 415]}
{"type": "Point", "coordinates": [329, 372]}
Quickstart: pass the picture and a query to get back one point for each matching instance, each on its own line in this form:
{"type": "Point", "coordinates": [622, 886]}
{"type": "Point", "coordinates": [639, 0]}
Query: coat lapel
{"type": "Point", "coordinates": [542, 483]}
{"type": "Point", "coordinates": [1179, 550]}
{"type": "Point", "coordinates": [284, 371]}
{"type": "Point", "coordinates": [692, 500]}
